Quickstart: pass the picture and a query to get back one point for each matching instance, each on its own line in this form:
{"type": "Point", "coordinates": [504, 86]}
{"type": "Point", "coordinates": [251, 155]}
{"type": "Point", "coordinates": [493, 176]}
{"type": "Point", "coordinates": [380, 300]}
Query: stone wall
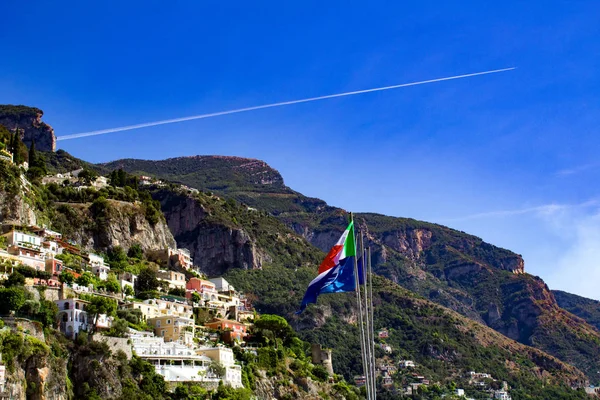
{"type": "Point", "coordinates": [115, 344]}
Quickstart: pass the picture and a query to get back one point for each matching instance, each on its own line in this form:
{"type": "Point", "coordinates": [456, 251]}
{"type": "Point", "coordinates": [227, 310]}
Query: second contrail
{"type": "Point", "coordinates": [284, 103]}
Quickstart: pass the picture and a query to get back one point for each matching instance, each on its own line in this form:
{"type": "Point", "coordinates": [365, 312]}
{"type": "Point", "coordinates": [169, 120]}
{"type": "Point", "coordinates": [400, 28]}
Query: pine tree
{"type": "Point", "coordinates": [13, 141]}
{"type": "Point", "coordinates": [32, 160]}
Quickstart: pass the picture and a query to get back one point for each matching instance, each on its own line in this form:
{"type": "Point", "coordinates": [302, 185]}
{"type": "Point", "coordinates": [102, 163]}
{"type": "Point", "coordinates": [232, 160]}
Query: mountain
{"type": "Point", "coordinates": [584, 308]}
{"type": "Point", "coordinates": [30, 124]}
{"type": "Point", "coordinates": [272, 255]}
{"type": "Point", "coordinates": [459, 271]}
{"type": "Point", "coordinates": [444, 344]}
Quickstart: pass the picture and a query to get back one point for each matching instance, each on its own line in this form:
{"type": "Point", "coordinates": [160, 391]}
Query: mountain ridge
{"type": "Point", "coordinates": [460, 271]}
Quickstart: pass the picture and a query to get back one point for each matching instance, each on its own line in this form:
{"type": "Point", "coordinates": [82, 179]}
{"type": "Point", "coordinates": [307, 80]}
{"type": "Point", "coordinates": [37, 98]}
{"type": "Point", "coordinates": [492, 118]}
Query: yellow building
{"type": "Point", "coordinates": [173, 329]}
{"type": "Point", "coordinates": [148, 310]}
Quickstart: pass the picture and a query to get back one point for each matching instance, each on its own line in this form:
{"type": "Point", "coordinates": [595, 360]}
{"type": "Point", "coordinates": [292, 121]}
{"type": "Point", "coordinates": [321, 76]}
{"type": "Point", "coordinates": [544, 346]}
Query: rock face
{"type": "Point", "coordinates": [214, 246]}
{"type": "Point", "coordinates": [31, 127]}
{"type": "Point", "coordinates": [122, 224]}
{"type": "Point", "coordinates": [15, 206]}
{"type": "Point", "coordinates": [14, 209]}
{"type": "Point", "coordinates": [38, 376]}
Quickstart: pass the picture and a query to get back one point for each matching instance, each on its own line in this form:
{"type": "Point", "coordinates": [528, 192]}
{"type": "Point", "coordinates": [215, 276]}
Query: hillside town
{"type": "Point", "coordinates": [179, 348]}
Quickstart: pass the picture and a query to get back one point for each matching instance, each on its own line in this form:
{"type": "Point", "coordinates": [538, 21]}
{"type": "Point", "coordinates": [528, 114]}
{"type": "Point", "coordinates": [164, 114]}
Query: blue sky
{"type": "Point", "coordinates": [511, 157]}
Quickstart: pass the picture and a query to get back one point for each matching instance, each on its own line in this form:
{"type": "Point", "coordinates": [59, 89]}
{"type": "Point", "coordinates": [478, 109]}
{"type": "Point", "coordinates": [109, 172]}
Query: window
{"type": "Point", "coordinates": [168, 322]}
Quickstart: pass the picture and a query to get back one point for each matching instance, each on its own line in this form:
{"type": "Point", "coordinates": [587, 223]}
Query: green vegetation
{"type": "Point", "coordinates": [37, 164]}
{"type": "Point", "coordinates": [587, 309]}
{"type": "Point", "coordinates": [18, 111]}
{"type": "Point", "coordinates": [441, 342]}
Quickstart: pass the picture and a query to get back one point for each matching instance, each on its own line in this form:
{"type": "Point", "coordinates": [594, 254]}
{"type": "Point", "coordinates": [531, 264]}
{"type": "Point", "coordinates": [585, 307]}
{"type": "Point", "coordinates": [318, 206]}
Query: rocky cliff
{"type": "Point", "coordinates": [215, 245]}
{"type": "Point", "coordinates": [31, 127]}
{"type": "Point", "coordinates": [33, 371]}
{"type": "Point", "coordinates": [15, 197]}
{"type": "Point", "coordinates": [119, 224]}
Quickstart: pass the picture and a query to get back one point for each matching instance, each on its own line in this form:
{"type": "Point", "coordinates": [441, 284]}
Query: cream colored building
{"type": "Point", "coordinates": [176, 280]}
{"type": "Point", "coordinates": [174, 329]}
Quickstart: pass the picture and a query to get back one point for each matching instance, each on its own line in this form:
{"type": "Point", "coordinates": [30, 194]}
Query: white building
{"type": "Point", "coordinates": [222, 285]}
{"type": "Point", "coordinates": [72, 316]}
{"type": "Point", "coordinates": [17, 238]}
{"type": "Point", "coordinates": [224, 356]}
{"type": "Point", "coordinates": [501, 395]}
{"type": "Point", "coordinates": [406, 364]}
{"type": "Point", "coordinates": [178, 363]}
{"type": "Point", "coordinates": [95, 260]}
{"type": "Point", "coordinates": [100, 182]}
{"type": "Point", "coordinates": [127, 279]}
{"type": "Point", "coordinates": [145, 180]}
{"type": "Point", "coordinates": [101, 271]}
{"type": "Point", "coordinates": [2, 377]}
{"type": "Point", "coordinates": [459, 392]}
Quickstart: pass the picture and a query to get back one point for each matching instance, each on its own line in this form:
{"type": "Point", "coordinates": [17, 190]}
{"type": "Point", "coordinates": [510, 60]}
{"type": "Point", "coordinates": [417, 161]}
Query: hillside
{"type": "Point", "coordinates": [444, 344]}
{"type": "Point", "coordinates": [264, 256]}
{"type": "Point", "coordinates": [584, 308]}
{"type": "Point", "coordinates": [459, 271]}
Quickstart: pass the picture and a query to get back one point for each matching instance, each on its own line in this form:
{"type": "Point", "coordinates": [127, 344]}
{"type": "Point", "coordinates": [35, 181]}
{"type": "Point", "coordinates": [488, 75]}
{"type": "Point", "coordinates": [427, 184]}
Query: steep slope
{"type": "Point", "coordinates": [29, 122]}
{"type": "Point", "coordinates": [118, 223]}
{"type": "Point", "coordinates": [584, 308]}
{"type": "Point", "coordinates": [454, 269]}
{"type": "Point", "coordinates": [445, 344]}
{"type": "Point", "coordinates": [223, 234]}
{"type": "Point", "coordinates": [16, 197]}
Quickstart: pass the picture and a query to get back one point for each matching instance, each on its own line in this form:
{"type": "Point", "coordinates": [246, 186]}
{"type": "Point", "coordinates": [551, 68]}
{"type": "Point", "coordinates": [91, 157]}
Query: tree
{"type": "Point", "coordinates": [196, 298]}
{"type": "Point", "coordinates": [13, 141]}
{"type": "Point", "coordinates": [12, 299]}
{"type": "Point", "coordinates": [119, 328]}
{"type": "Point", "coordinates": [32, 161]}
{"type": "Point", "coordinates": [66, 277]}
{"type": "Point", "coordinates": [117, 258]}
{"type": "Point", "coordinates": [112, 284]}
{"type": "Point", "coordinates": [88, 176]}
{"type": "Point", "coordinates": [217, 368]}
{"type": "Point", "coordinates": [276, 324]}
{"type": "Point", "coordinates": [15, 279]}
{"type": "Point", "coordinates": [135, 251]}
{"type": "Point", "coordinates": [101, 305]}
{"type": "Point", "coordinates": [47, 313]}
{"type": "Point", "coordinates": [128, 291]}
{"type": "Point", "coordinates": [177, 292]}
{"type": "Point", "coordinates": [85, 279]}
{"type": "Point", "coordinates": [147, 280]}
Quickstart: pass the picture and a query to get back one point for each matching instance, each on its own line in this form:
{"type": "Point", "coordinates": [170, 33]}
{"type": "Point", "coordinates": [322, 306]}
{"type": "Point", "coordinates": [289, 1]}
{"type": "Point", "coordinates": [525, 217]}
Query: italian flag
{"type": "Point", "coordinates": [336, 272]}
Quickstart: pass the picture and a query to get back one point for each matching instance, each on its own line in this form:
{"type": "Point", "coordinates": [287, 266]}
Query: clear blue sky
{"type": "Point", "coordinates": [512, 157]}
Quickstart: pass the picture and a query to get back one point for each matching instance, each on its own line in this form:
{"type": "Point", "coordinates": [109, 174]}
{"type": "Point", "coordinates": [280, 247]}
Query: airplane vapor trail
{"type": "Point", "coordinates": [284, 103]}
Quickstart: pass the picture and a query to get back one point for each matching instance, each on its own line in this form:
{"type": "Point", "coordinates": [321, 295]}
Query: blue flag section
{"type": "Point", "coordinates": [339, 279]}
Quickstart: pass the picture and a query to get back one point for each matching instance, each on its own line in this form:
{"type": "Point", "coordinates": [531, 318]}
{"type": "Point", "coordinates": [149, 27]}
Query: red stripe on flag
{"type": "Point", "coordinates": [329, 261]}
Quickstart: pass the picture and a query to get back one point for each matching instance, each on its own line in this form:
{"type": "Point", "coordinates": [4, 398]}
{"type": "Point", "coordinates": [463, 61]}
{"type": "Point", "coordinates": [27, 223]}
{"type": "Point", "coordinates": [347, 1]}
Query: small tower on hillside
{"type": "Point", "coordinates": [322, 357]}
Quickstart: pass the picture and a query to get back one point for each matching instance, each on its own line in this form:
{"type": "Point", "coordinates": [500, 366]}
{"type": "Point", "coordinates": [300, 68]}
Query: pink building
{"type": "Point", "coordinates": [54, 266]}
{"type": "Point", "coordinates": [205, 288]}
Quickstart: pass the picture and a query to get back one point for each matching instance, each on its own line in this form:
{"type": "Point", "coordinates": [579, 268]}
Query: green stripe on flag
{"type": "Point", "coordinates": [349, 245]}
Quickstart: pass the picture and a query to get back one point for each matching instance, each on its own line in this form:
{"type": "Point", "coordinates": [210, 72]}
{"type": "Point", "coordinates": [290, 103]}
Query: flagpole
{"type": "Point", "coordinates": [372, 328]}
{"type": "Point", "coordinates": [368, 334]}
{"type": "Point", "coordinates": [361, 324]}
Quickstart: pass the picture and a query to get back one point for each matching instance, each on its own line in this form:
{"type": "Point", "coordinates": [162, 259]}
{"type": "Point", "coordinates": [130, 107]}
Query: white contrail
{"type": "Point", "coordinates": [284, 103]}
